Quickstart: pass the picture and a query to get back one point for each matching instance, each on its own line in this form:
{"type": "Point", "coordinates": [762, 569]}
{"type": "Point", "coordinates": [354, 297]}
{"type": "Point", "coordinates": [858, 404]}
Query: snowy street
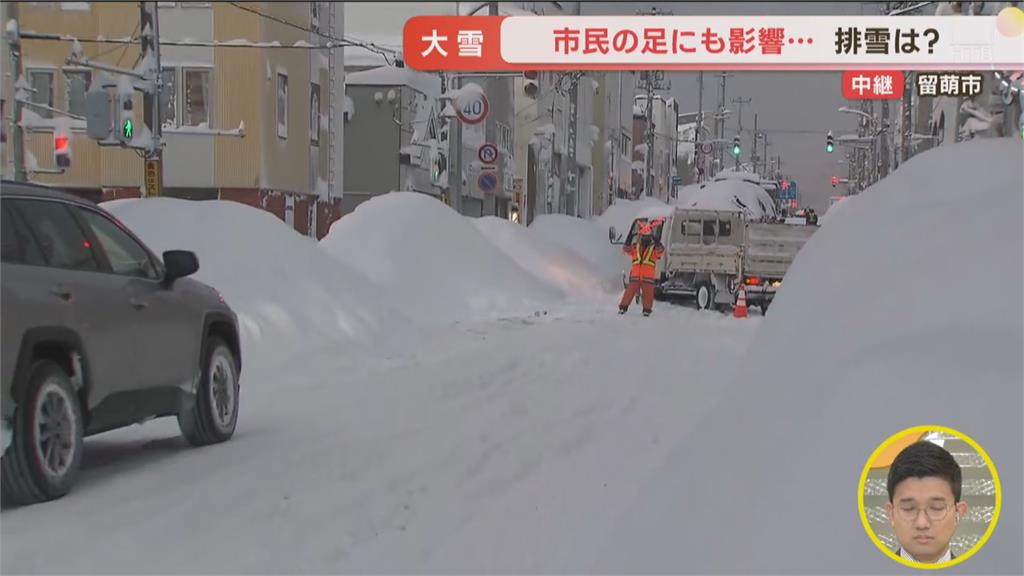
{"type": "Point", "coordinates": [511, 444]}
{"type": "Point", "coordinates": [404, 411]}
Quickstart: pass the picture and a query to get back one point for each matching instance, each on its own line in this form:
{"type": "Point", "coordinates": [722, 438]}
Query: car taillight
{"type": "Point", "coordinates": [753, 281]}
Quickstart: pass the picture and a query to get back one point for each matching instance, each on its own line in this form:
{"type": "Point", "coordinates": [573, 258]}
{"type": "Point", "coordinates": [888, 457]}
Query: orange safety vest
{"type": "Point", "coordinates": [644, 261]}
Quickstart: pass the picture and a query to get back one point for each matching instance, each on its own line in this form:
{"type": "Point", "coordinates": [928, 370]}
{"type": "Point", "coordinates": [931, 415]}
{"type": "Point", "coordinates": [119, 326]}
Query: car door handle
{"type": "Point", "coordinates": [138, 303]}
{"type": "Point", "coordinates": [61, 291]}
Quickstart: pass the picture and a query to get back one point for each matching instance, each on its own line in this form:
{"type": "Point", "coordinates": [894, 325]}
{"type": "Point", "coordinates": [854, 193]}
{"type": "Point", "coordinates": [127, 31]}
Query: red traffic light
{"type": "Point", "coordinates": [60, 143]}
{"type": "Point", "coordinates": [785, 184]}
{"type": "Point", "coordinates": [835, 180]}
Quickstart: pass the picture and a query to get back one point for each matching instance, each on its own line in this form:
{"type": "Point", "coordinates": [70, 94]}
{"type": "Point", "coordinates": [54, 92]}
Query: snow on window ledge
{"type": "Point", "coordinates": [76, 6]}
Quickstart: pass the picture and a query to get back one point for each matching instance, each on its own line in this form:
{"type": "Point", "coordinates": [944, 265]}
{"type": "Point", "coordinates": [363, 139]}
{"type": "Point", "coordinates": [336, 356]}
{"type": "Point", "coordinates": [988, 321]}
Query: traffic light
{"type": "Point", "coordinates": [61, 148]}
{"type": "Point", "coordinates": [125, 116]}
{"type": "Point", "coordinates": [736, 146]}
{"type": "Point", "coordinates": [830, 143]}
{"type": "Point", "coordinates": [835, 180]}
{"type": "Point", "coordinates": [531, 83]}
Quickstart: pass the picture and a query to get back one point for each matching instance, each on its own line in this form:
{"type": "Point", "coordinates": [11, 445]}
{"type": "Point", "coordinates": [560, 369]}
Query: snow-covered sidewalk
{"type": "Point", "coordinates": [502, 446]}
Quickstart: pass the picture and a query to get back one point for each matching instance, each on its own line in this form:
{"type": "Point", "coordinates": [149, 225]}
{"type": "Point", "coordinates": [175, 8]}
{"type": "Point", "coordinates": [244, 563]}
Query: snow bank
{"type": "Point", "coordinates": [904, 310]}
{"type": "Point", "coordinates": [289, 295]}
{"type": "Point", "coordinates": [548, 261]}
{"type": "Point", "coordinates": [433, 262]}
{"type": "Point", "coordinates": [586, 238]}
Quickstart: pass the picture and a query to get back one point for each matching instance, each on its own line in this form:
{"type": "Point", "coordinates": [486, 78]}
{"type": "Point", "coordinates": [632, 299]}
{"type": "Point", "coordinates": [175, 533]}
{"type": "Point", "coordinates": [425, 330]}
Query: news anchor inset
{"type": "Point", "coordinates": [914, 497]}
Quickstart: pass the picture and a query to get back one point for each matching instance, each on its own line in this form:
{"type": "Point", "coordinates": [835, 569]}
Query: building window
{"type": "Point", "coordinates": [282, 105]}
{"type": "Point", "coordinates": [41, 81]}
{"type": "Point", "coordinates": [314, 17]}
{"type": "Point", "coordinates": [314, 113]}
{"type": "Point", "coordinates": [169, 96]}
{"type": "Point", "coordinates": [76, 84]}
{"type": "Point", "coordinates": [196, 97]}
{"type": "Point", "coordinates": [624, 141]}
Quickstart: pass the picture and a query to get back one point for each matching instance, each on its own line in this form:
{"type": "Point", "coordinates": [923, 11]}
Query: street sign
{"type": "Point", "coordinates": [472, 107]}
{"type": "Point", "coordinates": [677, 180]}
{"type": "Point", "coordinates": [707, 147]}
{"type": "Point", "coordinates": [488, 153]}
{"type": "Point", "coordinates": [153, 177]}
{"type": "Point", "coordinates": [487, 181]}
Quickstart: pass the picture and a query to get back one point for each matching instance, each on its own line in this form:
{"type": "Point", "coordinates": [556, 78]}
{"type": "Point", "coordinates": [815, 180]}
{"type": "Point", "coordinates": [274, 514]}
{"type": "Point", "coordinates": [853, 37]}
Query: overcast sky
{"type": "Point", "coordinates": [782, 101]}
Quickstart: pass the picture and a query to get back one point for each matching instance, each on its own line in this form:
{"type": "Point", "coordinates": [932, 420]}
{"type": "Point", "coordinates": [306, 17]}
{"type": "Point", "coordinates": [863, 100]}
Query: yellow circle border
{"type": "Point", "coordinates": [867, 524]}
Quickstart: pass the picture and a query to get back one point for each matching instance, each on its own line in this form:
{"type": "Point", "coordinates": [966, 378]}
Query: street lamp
{"type": "Point", "coordinates": [860, 112]}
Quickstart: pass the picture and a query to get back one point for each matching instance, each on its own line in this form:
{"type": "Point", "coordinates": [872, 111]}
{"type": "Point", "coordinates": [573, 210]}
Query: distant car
{"type": "Point", "coordinates": [98, 334]}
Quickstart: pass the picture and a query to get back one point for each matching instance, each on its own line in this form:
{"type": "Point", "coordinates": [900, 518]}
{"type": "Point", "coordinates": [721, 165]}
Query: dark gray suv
{"type": "Point", "coordinates": [99, 333]}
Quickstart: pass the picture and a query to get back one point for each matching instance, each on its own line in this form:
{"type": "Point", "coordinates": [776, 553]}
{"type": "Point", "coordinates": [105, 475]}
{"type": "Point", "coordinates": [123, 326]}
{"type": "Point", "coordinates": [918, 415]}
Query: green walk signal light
{"type": "Point", "coordinates": [128, 129]}
{"type": "Point", "coordinates": [830, 143]}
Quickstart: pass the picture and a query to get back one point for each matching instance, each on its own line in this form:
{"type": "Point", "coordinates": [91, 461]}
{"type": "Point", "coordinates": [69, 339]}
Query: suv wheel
{"type": "Point", "coordinates": [214, 413]}
{"type": "Point", "coordinates": [42, 461]}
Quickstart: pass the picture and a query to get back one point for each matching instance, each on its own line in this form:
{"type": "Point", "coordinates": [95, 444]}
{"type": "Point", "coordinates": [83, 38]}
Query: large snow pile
{"type": "Point", "coordinates": [584, 237]}
{"type": "Point", "coordinates": [289, 295]}
{"type": "Point", "coordinates": [548, 261]}
{"type": "Point", "coordinates": [730, 194]}
{"type": "Point", "coordinates": [432, 262]}
{"type": "Point", "coordinates": [904, 310]}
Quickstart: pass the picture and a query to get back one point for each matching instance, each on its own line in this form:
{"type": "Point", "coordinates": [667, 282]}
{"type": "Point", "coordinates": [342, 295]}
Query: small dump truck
{"type": "Point", "coordinates": [708, 253]}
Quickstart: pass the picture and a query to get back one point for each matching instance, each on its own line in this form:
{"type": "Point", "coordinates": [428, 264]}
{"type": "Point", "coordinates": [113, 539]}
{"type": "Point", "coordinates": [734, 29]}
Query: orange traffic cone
{"type": "Point", "coordinates": [740, 310]}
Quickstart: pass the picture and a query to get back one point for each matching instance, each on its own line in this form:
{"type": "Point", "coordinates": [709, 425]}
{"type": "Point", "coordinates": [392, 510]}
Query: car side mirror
{"type": "Point", "coordinates": [179, 264]}
{"type": "Point", "coordinates": [611, 234]}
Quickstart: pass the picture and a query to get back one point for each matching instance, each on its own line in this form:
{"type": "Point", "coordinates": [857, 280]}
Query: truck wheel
{"type": "Point", "coordinates": [705, 296]}
{"type": "Point", "coordinates": [43, 459]}
{"type": "Point", "coordinates": [214, 413]}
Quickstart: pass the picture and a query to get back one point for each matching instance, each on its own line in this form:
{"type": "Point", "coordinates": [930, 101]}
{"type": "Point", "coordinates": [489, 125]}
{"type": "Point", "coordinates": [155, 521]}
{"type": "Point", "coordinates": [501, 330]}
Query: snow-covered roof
{"type": "Point", "coordinates": [423, 82]}
{"type": "Point", "coordinates": [729, 195]}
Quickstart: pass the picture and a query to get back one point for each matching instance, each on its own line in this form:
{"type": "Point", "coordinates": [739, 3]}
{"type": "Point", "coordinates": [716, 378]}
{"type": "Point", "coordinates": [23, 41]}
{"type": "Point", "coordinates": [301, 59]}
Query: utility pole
{"type": "Point", "coordinates": [455, 154]}
{"type": "Point", "coordinates": [700, 125]}
{"type": "Point", "coordinates": [150, 25]}
{"type": "Point", "coordinates": [649, 136]}
{"type": "Point", "coordinates": [741, 101]}
{"type": "Point", "coordinates": [654, 79]}
{"type": "Point", "coordinates": [753, 147]}
{"type": "Point", "coordinates": [720, 123]}
{"type": "Point", "coordinates": [17, 132]}
{"type": "Point", "coordinates": [571, 173]}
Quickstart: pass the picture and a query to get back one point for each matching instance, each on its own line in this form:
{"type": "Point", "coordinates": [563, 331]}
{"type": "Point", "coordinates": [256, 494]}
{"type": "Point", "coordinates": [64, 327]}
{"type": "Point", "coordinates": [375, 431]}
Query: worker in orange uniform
{"type": "Point", "coordinates": [645, 254]}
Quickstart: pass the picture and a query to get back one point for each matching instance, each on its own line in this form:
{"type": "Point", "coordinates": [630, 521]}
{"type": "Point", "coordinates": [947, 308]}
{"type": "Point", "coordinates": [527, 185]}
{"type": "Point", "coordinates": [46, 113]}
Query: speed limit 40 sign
{"type": "Point", "coordinates": [472, 107]}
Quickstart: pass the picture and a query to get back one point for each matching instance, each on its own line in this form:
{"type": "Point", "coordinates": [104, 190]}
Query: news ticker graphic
{"type": "Point", "coordinates": [495, 43]}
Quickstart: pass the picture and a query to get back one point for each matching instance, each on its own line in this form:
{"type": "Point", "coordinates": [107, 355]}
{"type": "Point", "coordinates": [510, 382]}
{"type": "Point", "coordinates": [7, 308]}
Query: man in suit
{"type": "Point", "coordinates": [924, 506]}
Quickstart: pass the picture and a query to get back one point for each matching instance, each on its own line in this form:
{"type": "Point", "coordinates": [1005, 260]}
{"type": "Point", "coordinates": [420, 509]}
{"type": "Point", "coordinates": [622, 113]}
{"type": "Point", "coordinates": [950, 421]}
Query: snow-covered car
{"type": "Point", "coordinates": [98, 334]}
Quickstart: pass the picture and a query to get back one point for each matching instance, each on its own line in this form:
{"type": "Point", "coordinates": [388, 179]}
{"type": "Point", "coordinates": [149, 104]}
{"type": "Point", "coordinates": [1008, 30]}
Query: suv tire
{"type": "Point", "coordinates": [214, 413]}
{"type": "Point", "coordinates": [37, 468]}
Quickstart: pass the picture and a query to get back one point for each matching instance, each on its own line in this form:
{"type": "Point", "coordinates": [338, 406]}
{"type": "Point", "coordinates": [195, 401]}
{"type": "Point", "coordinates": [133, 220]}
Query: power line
{"type": "Point", "coordinates": [342, 41]}
{"type": "Point", "coordinates": [29, 35]}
